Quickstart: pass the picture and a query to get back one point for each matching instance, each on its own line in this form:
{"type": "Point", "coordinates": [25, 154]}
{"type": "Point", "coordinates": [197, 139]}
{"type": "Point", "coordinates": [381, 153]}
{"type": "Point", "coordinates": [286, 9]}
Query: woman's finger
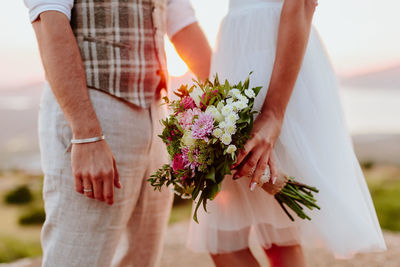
{"type": "Point", "coordinates": [260, 169]}
{"type": "Point", "coordinates": [87, 187]}
{"type": "Point", "coordinates": [262, 173]}
{"type": "Point", "coordinates": [274, 169]}
{"type": "Point", "coordinates": [98, 189]}
{"type": "Point", "coordinates": [249, 164]}
{"type": "Point", "coordinates": [244, 152]}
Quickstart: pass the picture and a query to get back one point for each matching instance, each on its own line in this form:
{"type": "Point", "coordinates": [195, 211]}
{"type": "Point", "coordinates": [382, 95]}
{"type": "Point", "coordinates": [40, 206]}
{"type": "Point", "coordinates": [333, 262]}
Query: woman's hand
{"type": "Point", "coordinates": [257, 154]}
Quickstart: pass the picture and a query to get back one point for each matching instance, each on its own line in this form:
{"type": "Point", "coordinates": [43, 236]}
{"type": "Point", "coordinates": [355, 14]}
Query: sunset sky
{"type": "Point", "coordinates": [360, 35]}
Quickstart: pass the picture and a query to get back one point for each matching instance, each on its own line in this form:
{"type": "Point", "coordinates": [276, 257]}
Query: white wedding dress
{"type": "Point", "coordinates": [314, 146]}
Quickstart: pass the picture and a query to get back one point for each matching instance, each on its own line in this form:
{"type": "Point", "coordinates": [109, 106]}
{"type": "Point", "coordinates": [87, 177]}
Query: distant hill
{"type": "Point", "coordinates": [388, 78]}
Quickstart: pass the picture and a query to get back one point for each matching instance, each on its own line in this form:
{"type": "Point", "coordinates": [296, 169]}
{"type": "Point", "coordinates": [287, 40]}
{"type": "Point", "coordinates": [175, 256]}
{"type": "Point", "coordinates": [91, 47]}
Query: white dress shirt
{"type": "Point", "coordinates": [179, 12]}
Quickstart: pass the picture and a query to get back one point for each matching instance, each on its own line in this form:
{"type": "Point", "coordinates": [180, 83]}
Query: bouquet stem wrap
{"type": "Point", "coordinates": [293, 195]}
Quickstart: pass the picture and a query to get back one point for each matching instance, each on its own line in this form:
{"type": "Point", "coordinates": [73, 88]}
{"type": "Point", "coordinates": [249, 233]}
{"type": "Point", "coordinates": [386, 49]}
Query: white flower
{"type": "Point", "coordinates": [234, 92]}
{"type": "Point", "coordinates": [232, 118]}
{"type": "Point", "coordinates": [231, 149]}
{"type": "Point", "coordinates": [215, 113]}
{"type": "Point", "coordinates": [227, 109]}
{"type": "Point", "coordinates": [196, 95]}
{"type": "Point", "coordinates": [229, 101]}
{"type": "Point", "coordinates": [220, 105]}
{"type": "Point", "coordinates": [230, 128]}
{"type": "Point", "coordinates": [226, 139]}
{"type": "Point", "coordinates": [249, 93]}
{"type": "Point", "coordinates": [222, 124]}
{"type": "Point", "coordinates": [217, 132]}
{"type": "Point", "coordinates": [187, 139]}
{"type": "Point", "coordinates": [243, 99]}
{"type": "Point", "coordinates": [239, 105]}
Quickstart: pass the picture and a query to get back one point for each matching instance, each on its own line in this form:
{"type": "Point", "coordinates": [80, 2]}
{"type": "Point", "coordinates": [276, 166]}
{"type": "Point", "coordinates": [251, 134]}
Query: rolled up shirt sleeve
{"type": "Point", "coordinates": [180, 14]}
{"type": "Point", "coordinates": [38, 6]}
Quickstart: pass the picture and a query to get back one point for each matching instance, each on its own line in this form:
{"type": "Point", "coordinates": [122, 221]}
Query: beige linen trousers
{"type": "Point", "coordinates": [84, 232]}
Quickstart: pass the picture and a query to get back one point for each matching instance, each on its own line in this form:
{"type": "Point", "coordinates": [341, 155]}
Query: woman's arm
{"type": "Point", "coordinates": [293, 35]}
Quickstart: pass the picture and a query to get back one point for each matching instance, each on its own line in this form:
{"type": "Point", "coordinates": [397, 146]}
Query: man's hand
{"type": "Point", "coordinates": [94, 168]}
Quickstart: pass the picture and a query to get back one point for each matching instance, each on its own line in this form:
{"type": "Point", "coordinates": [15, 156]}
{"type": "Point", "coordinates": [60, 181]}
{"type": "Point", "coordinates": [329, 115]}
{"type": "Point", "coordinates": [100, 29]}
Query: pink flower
{"type": "Point", "coordinates": [178, 163]}
{"type": "Point", "coordinates": [203, 126]}
{"type": "Point", "coordinates": [188, 103]}
{"type": "Point", "coordinates": [203, 97]}
{"type": "Point", "coordinates": [186, 118]}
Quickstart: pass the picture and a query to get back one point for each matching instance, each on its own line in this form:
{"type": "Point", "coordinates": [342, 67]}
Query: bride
{"type": "Point", "coordinates": [299, 130]}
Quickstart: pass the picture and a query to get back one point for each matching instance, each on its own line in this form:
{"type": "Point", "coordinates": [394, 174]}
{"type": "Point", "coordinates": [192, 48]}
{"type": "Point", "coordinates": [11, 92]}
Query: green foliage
{"type": "Point", "coordinates": [386, 198]}
{"type": "Point", "coordinates": [12, 249]}
{"type": "Point", "coordinates": [367, 165]}
{"type": "Point", "coordinates": [19, 196]}
{"type": "Point", "coordinates": [33, 216]}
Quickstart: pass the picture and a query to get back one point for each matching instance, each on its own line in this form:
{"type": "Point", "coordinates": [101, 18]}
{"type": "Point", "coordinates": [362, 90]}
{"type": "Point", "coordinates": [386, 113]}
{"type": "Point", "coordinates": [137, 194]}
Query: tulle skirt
{"type": "Point", "coordinates": [314, 146]}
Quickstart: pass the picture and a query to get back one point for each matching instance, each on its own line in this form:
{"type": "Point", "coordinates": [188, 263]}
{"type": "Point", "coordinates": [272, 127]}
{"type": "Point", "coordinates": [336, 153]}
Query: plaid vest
{"type": "Point", "coordinates": [122, 46]}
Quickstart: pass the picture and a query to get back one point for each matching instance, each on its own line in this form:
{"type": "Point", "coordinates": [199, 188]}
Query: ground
{"type": "Point", "coordinates": [176, 255]}
{"type": "Point", "coordinates": [18, 241]}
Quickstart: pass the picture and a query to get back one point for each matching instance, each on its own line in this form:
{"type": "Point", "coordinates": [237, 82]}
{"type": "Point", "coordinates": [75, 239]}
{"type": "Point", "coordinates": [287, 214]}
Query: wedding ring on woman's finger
{"type": "Point", "coordinates": [87, 190]}
{"type": "Point", "coordinates": [266, 176]}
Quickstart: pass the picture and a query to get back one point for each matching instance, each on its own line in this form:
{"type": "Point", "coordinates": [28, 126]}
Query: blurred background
{"type": "Point", "coordinates": [363, 40]}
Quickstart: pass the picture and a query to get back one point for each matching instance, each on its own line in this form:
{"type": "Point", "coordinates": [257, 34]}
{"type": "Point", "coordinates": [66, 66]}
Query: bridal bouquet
{"type": "Point", "coordinates": [210, 123]}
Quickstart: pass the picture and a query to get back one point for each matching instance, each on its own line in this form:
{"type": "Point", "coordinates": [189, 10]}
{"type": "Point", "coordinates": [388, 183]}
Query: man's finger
{"type": "Point", "coordinates": [117, 181]}
{"type": "Point", "coordinates": [87, 187]}
{"type": "Point", "coordinates": [98, 189]}
{"type": "Point", "coordinates": [108, 190]}
{"type": "Point", "coordinates": [79, 184]}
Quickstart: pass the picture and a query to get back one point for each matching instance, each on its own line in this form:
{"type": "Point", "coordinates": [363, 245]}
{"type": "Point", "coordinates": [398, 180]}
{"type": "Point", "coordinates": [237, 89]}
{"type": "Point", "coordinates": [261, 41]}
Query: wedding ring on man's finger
{"type": "Point", "coordinates": [87, 190]}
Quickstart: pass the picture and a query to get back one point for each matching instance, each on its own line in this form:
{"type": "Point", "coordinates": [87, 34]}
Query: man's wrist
{"type": "Point", "coordinates": [82, 131]}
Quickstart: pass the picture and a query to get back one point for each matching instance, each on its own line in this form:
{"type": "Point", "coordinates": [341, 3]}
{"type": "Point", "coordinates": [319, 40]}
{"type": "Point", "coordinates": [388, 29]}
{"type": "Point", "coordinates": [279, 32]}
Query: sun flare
{"type": "Point", "coordinates": [176, 66]}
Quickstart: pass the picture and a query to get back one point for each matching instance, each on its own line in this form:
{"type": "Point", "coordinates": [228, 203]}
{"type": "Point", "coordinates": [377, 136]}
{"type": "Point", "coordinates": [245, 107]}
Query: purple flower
{"type": "Point", "coordinates": [203, 126]}
{"type": "Point", "coordinates": [190, 158]}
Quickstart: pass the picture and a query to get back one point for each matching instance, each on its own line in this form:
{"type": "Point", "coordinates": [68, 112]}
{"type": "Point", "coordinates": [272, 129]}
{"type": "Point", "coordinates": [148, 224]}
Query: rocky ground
{"type": "Point", "coordinates": [176, 255]}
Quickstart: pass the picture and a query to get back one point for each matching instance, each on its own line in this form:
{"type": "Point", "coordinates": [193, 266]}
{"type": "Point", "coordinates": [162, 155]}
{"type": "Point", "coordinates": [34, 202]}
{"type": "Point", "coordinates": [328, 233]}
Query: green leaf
{"type": "Point", "coordinates": [216, 80]}
{"type": "Point", "coordinates": [214, 190]}
{"type": "Point", "coordinates": [197, 207]}
{"type": "Point", "coordinates": [257, 89]}
{"type": "Point", "coordinates": [211, 174]}
{"type": "Point", "coordinates": [246, 83]}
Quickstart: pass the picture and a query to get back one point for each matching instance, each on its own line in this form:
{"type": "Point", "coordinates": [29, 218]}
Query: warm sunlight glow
{"type": "Point", "coordinates": [176, 66]}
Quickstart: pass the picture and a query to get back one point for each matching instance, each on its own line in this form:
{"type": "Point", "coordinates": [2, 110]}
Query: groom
{"type": "Point", "coordinates": [99, 119]}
